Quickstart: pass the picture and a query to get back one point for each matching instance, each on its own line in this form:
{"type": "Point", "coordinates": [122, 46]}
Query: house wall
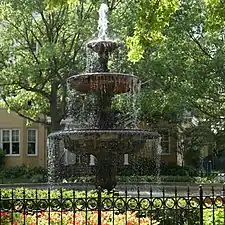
{"type": "Point", "coordinates": [13, 121]}
{"type": "Point", "coordinates": [172, 157]}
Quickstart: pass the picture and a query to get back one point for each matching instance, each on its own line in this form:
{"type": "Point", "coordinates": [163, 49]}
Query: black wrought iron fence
{"type": "Point", "coordinates": [155, 206]}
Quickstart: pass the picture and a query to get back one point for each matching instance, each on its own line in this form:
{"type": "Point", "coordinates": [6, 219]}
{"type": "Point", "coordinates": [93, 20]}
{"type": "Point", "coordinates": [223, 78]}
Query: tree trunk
{"type": "Point", "coordinates": [54, 114]}
{"type": "Point", "coordinates": [54, 148]}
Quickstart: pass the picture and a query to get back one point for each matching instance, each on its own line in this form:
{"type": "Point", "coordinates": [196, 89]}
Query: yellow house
{"type": "Point", "coordinates": [22, 144]}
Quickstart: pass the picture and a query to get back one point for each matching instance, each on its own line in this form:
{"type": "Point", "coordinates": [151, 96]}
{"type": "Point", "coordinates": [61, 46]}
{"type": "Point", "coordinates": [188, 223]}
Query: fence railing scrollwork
{"type": "Point", "coordinates": [154, 206]}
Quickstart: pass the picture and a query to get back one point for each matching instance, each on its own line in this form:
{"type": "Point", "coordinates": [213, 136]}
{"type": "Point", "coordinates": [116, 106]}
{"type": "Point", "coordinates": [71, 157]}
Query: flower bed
{"type": "Point", "coordinates": [78, 218]}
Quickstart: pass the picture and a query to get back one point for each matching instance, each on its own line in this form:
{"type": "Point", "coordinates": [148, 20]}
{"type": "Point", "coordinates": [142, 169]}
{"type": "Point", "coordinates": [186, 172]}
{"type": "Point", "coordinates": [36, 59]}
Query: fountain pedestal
{"type": "Point", "coordinates": [105, 170]}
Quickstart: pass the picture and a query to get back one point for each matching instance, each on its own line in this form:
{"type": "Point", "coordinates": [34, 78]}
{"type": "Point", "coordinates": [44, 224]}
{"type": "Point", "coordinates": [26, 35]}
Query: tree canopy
{"type": "Point", "coordinates": [39, 50]}
{"type": "Point", "coordinates": [42, 45]}
{"type": "Point", "coordinates": [176, 47]}
{"type": "Point", "coordinates": [187, 69]}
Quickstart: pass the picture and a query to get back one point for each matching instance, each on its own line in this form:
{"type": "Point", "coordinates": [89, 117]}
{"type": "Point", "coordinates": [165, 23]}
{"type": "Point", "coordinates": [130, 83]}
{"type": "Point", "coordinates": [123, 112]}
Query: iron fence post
{"type": "Point", "coordinates": [201, 204]}
{"type": "Point", "coordinates": [213, 205]}
{"type": "Point", "coordinates": [1, 207]}
{"type": "Point", "coordinates": [99, 205]}
{"type": "Point", "coordinates": [12, 200]}
{"type": "Point", "coordinates": [223, 195]}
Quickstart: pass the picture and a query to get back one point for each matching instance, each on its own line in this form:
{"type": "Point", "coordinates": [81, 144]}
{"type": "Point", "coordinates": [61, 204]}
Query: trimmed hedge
{"type": "Point", "coordinates": [147, 166]}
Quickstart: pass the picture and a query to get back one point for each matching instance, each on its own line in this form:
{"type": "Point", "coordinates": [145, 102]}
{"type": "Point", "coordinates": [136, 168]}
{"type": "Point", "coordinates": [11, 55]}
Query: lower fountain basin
{"type": "Point", "coordinates": [115, 83]}
{"type": "Point", "coordinates": [97, 142]}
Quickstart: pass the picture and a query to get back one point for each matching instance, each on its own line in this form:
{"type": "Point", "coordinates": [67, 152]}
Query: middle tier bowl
{"type": "Point", "coordinates": [97, 142]}
{"type": "Point", "coordinates": [115, 83]}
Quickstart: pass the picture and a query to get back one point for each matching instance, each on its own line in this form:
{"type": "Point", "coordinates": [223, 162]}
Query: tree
{"type": "Point", "coordinates": [41, 46]}
{"type": "Point", "coordinates": [187, 69]}
{"type": "Point", "coordinates": [150, 20]}
{"type": "Point", "coordinates": [39, 51]}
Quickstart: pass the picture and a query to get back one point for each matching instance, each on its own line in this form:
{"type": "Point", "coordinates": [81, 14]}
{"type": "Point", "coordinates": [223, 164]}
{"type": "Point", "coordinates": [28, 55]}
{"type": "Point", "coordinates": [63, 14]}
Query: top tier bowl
{"type": "Point", "coordinates": [103, 46]}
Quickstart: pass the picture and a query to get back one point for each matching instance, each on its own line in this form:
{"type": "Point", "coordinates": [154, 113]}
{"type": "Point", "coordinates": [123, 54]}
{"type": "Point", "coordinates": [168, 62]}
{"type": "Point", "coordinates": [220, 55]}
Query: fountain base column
{"type": "Point", "coordinates": [105, 170]}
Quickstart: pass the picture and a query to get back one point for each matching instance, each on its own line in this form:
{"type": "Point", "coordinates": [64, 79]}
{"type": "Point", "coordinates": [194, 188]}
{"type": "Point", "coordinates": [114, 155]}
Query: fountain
{"type": "Point", "coordinates": [100, 133]}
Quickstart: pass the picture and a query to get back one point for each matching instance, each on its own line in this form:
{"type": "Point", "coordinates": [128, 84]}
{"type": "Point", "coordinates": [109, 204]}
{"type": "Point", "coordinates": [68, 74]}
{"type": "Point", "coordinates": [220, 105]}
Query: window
{"type": "Point", "coordinates": [32, 142]}
{"type": "Point", "coordinates": [6, 141]}
{"type": "Point", "coordinates": [165, 141]}
{"type": "Point", "coordinates": [11, 141]}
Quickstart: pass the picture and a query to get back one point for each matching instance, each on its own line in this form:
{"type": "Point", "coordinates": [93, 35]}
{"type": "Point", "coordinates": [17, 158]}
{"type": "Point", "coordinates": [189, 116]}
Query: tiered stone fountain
{"type": "Point", "coordinates": [105, 140]}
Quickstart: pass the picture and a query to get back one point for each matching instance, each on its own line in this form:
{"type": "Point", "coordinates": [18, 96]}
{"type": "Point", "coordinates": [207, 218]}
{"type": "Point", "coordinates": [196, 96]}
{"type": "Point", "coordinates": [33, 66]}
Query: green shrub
{"type": "Point", "coordinates": [175, 216]}
{"type": "Point", "coordinates": [2, 157]}
{"type": "Point", "coordinates": [141, 167]}
{"type": "Point", "coordinates": [176, 170]}
{"type": "Point", "coordinates": [136, 179]}
{"type": "Point", "coordinates": [38, 178]}
{"type": "Point", "coordinates": [2, 153]}
{"type": "Point", "coordinates": [177, 179]}
{"type": "Point", "coordinates": [147, 166]}
{"type": "Point", "coordinates": [218, 216]}
{"type": "Point", "coordinates": [30, 194]}
{"type": "Point", "coordinates": [24, 172]}
{"type": "Point", "coordinates": [81, 179]}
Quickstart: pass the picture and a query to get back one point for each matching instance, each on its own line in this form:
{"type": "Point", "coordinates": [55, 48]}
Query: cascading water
{"type": "Point", "coordinates": [102, 120]}
{"type": "Point", "coordinates": [158, 153]}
